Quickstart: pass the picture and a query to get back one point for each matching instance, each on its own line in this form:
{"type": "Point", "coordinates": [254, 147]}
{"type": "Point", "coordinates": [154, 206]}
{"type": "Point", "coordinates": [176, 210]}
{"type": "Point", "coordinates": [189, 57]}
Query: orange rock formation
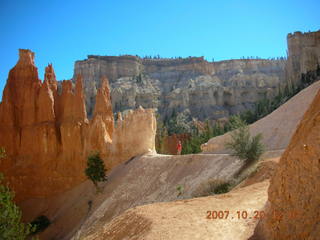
{"type": "Point", "coordinates": [293, 211]}
{"type": "Point", "coordinates": [47, 136]}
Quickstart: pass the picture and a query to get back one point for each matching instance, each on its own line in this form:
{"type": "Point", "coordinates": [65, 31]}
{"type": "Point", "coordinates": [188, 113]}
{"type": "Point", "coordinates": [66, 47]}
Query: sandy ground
{"type": "Point", "coordinates": [143, 180]}
{"type": "Point", "coordinates": [188, 219]}
{"type": "Point", "coordinates": [278, 127]}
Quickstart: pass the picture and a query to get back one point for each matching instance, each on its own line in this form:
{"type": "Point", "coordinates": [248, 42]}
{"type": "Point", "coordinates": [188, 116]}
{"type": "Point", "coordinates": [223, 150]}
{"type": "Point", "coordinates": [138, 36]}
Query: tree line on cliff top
{"type": "Point", "coordinates": [157, 56]}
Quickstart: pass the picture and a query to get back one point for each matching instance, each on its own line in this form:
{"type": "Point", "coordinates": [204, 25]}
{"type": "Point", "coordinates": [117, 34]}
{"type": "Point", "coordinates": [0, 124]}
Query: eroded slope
{"type": "Point", "coordinates": [278, 127]}
{"type": "Point", "coordinates": [142, 180]}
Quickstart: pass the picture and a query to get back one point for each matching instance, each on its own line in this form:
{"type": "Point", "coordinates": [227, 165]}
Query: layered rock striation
{"type": "Point", "coordinates": [47, 135]}
{"type": "Point", "coordinates": [303, 54]}
{"type": "Point", "coordinates": [277, 128]}
{"type": "Point", "coordinates": [203, 89]}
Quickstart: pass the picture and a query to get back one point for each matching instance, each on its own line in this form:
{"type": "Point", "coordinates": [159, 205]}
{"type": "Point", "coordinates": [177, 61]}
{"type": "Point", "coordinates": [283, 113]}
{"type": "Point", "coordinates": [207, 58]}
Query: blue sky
{"type": "Point", "coordinates": [61, 32]}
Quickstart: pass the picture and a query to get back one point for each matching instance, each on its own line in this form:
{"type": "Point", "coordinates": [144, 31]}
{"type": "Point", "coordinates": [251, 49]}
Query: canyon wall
{"type": "Point", "coordinates": [133, 136]}
{"type": "Point", "coordinates": [276, 128]}
{"type": "Point", "coordinates": [303, 54]}
{"type": "Point", "coordinates": [201, 89]}
{"type": "Point", "coordinates": [293, 208]}
{"type": "Point", "coordinates": [47, 136]}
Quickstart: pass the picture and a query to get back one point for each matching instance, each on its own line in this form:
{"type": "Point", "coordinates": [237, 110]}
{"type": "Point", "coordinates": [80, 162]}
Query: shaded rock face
{"type": "Point", "coordinates": [303, 54]}
{"type": "Point", "coordinates": [206, 89]}
{"type": "Point", "coordinates": [294, 198]}
{"type": "Point", "coordinates": [47, 136]}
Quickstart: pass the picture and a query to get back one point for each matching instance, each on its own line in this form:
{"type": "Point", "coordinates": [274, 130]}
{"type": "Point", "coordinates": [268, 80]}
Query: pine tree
{"type": "Point", "coordinates": [11, 226]}
{"type": "Point", "coordinates": [95, 170]}
{"type": "Point", "coordinates": [244, 146]}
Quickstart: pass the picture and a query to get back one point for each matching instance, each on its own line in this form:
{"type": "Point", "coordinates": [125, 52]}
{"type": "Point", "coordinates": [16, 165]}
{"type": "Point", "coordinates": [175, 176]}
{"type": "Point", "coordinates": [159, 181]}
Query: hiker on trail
{"type": "Point", "coordinates": [179, 148]}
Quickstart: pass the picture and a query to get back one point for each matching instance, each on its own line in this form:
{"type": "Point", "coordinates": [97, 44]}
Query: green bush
{"type": "Point", "coordinates": [11, 226]}
{"type": "Point", "coordinates": [180, 189]}
{"type": "Point", "coordinates": [40, 224]}
{"type": "Point", "coordinates": [178, 123]}
{"type": "Point", "coordinates": [222, 188]}
{"type": "Point", "coordinates": [244, 146]}
{"type": "Point", "coordinates": [211, 187]}
{"type": "Point", "coordinates": [197, 138]}
{"type": "Point", "coordinates": [95, 170]}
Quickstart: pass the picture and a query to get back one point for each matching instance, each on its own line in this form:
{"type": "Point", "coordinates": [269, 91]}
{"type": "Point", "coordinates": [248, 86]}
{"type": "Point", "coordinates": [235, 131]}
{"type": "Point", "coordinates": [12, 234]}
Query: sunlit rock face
{"type": "Point", "coordinates": [303, 54]}
{"type": "Point", "coordinates": [47, 136]}
{"type": "Point", "coordinates": [293, 208]}
{"type": "Point", "coordinates": [205, 89]}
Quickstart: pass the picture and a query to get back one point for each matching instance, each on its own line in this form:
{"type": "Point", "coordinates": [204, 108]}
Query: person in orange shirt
{"type": "Point", "coordinates": [179, 148]}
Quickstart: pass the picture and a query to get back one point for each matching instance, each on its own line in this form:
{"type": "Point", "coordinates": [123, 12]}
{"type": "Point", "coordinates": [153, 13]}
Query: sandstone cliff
{"type": "Point", "coordinates": [133, 136]}
{"type": "Point", "coordinates": [303, 54]}
{"type": "Point", "coordinates": [205, 89]}
{"type": "Point", "coordinates": [48, 137]}
{"type": "Point", "coordinates": [293, 211]}
{"type": "Point", "coordinates": [277, 128]}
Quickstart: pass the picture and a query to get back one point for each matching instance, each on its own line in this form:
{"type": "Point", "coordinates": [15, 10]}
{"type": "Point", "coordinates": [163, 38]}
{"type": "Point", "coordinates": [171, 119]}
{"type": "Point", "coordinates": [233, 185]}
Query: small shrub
{"type": "Point", "coordinates": [234, 122]}
{"type": "Point", "coordinates": [222, 188]}
{"type": "Point", "coordinates": [11, 226]}
{"type": "Point", "coordinates": [95, 170]}
{"type": "Point", "coordinates": [40, 224]}
{"type": "Point", "coordinates": [212, 187]}
{"type": "Point", "coordinates": [244, 146]}
{"type": "Point", "coordinates": [180, 190]}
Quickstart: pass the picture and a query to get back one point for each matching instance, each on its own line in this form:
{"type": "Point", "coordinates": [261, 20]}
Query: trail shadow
{"type": "Point", "coordinates": [132, 158]}
{"type": "Point", "coordinates": [128, 161]}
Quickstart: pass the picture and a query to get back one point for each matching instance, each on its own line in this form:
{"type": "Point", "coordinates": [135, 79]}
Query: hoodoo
{"type": "Point", "coordinates": [47, 136]}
